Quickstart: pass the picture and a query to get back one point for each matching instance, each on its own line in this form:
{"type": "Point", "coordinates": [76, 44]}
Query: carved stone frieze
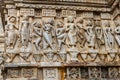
{"type": "Point", "coordinates": [45, 40]}
{"type": "Point", "coordinates": [61, 40]}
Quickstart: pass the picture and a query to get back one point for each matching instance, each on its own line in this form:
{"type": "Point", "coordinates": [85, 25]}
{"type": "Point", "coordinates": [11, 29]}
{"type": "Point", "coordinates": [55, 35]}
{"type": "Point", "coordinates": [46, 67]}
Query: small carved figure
{"type": "Point", "coordinates": [95, 72]}
{"type": "Point", "coordinates": [50, 74]}
{"type": "Point", "coordinates": [99, 34]}
{"type": "Point", "coordinates": [108, 35]}
{"type": "Point", "coordinates": [74, 73]}
{"type": "Point", "coordinates": [28, 72]}
{"type": "Point", "coordinates": [84, 73]}
{"type": "Point", "coordinates": [104, 72]}
{"type": "Point", "coordinates": [71, 31]}
{"type": "Point", "coordinates": [61, 35]}
{"type": "Point", "coordinates": [48, 34]}
{"type": "Point", "coordinates": [37, 34]}
{"type": "Point", "coordinates": [25, 31]}
{"type": "Point", "coordinates": [11, 32]}
{"type": "Point", "coordinates": [13, 73]}
{"type": "Point", "coordinates": [117, 32]}
{"type": "Point", "coordinates": [90, 35]}
{"type": "Point", "coordinates": [113, 72]}
{"type": "Point", "coordinates": [81, 32]}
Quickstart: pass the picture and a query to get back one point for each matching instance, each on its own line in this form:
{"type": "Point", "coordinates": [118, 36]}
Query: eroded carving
{"type": "Point", "coordinates": [61, 35]}
{"type": "Point", "coordinates": [94, 72]}
{"type": "Point", "coordinates": [71, 31]}
{"type": "Point", "coordinates": [37, 35]}
{"type": "Point", "coordinates": [28, 73]}
{"type": "Point", "coordinates": [117, 32]}
{"type": "Point", "coordinates": [81, 31]}
{"type": "Point", "coordinates": [113, 72]}
{"type": "Point", "coordinates": [11, 32]}
{"type": "Point", "coordinates": [68, 37]}
{"type": "Point", "coordinates": [90, 35]}
{"type": "Point", "coordinates": [48, 34]}
{"type": "Point", "coordinates": [73, 73]}
{"type": "Point", "coordinates": [14, 73]}
{"type": "Point", "coordinates": [50, 74]}
{"type": "Point", "coordinates": [25, 31]}
{"type": "Point", "coordinates": [108, 35]}
{"type": "Point", "coordinates": [99, 34]}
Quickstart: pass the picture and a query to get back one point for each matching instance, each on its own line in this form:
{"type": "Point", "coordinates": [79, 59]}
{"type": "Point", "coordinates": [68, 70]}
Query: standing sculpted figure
{"type": "Point", "coordinates": [108, 35]}
{"type": "Point", "coordinates": [11, 32]}
{"type": "Point", "coordinates": [71, 31]}
{"type": "Point", "coordinates": [99, 34]}
{"type": "Point", "coordinates": [37, 34]}
{"type": "Point", "coordinates": [90, 35]}
{"type": "Point", "coordinates": [25, 31]}
{"type": "Point", "coordinates": [61, 35]}
{"type": "Point", "coordinates": [48, 34]}
{"type": "Point", "coordinates": [117, 32]}
{"type": "Point", "coordinates": [95, 72]}
{"type": "Point", "coordinates": [81, 31]}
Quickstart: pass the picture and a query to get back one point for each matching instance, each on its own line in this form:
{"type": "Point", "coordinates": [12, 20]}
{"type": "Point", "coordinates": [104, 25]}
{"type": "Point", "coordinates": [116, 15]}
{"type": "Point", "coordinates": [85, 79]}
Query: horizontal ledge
{"type": "Point", "coordinates": [59, 64]}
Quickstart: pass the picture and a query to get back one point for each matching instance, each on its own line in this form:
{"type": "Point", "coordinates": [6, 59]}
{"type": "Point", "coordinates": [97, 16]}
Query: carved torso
{"type": "Point", "coordinates": [72, 33]}
{"type": "Point", "coordinates": [25, 29]}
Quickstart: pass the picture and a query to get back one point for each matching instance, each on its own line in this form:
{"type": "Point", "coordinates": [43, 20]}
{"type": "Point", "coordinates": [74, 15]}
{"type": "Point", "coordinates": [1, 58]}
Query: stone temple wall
{"type": "Point", "coordinates": [60, 40]}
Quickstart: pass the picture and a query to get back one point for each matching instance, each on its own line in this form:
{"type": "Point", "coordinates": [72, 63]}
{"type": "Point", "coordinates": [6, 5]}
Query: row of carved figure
{"type": "Point", "coordinates": [97, 73]}
{"type": "Point", "coordinates": [71, 73]}
{"type": "Point", "coordinates": [80, 33]}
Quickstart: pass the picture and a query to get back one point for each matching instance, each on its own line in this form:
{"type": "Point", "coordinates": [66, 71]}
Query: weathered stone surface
{"type": "Point", "coordinates": [60, 40]}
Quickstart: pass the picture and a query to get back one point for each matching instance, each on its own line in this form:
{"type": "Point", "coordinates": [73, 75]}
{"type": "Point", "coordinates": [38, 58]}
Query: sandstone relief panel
{"type": "Point", "coordinates": [59, 44]}
{"type": "Point", "coordinates": [75, 38]}
{"type": "Point", "coordinates": [47, 41]}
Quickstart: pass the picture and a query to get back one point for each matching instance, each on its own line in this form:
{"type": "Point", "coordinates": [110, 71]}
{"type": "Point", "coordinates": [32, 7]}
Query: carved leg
{"type": "Point", "coordinates": [59, 45]}
{"type": "Point", "coordinates": [83, 42]}
{"type": "Point", "coordinates": [37, 43]}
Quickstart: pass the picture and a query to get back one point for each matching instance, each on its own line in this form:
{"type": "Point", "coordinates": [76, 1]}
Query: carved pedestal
{"type": "Point", "coordinates": [73, 54]}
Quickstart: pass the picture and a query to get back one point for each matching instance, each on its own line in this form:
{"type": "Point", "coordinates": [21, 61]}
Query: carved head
{"type": "Point", "coordinates": [25, 17]}
{"type": "Point", "coordinates": [37, 24]}
{"type": "Point", "coordinates": [79, 20]}
{"type": "Point", "coordinates": [97, 23]}
{"type": "Point", "coordinates": [12, 19]}
{"type": "Point", "coordinates": [70, 19]}
{"type": "Point", "coordinates": [107, 24]}
{"type": "Point", "coordinates": [59, 24]}
{"type": "Point", "coordinates": [89, 22]}
{"type": "Point", "coordinates": [50, 21]}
